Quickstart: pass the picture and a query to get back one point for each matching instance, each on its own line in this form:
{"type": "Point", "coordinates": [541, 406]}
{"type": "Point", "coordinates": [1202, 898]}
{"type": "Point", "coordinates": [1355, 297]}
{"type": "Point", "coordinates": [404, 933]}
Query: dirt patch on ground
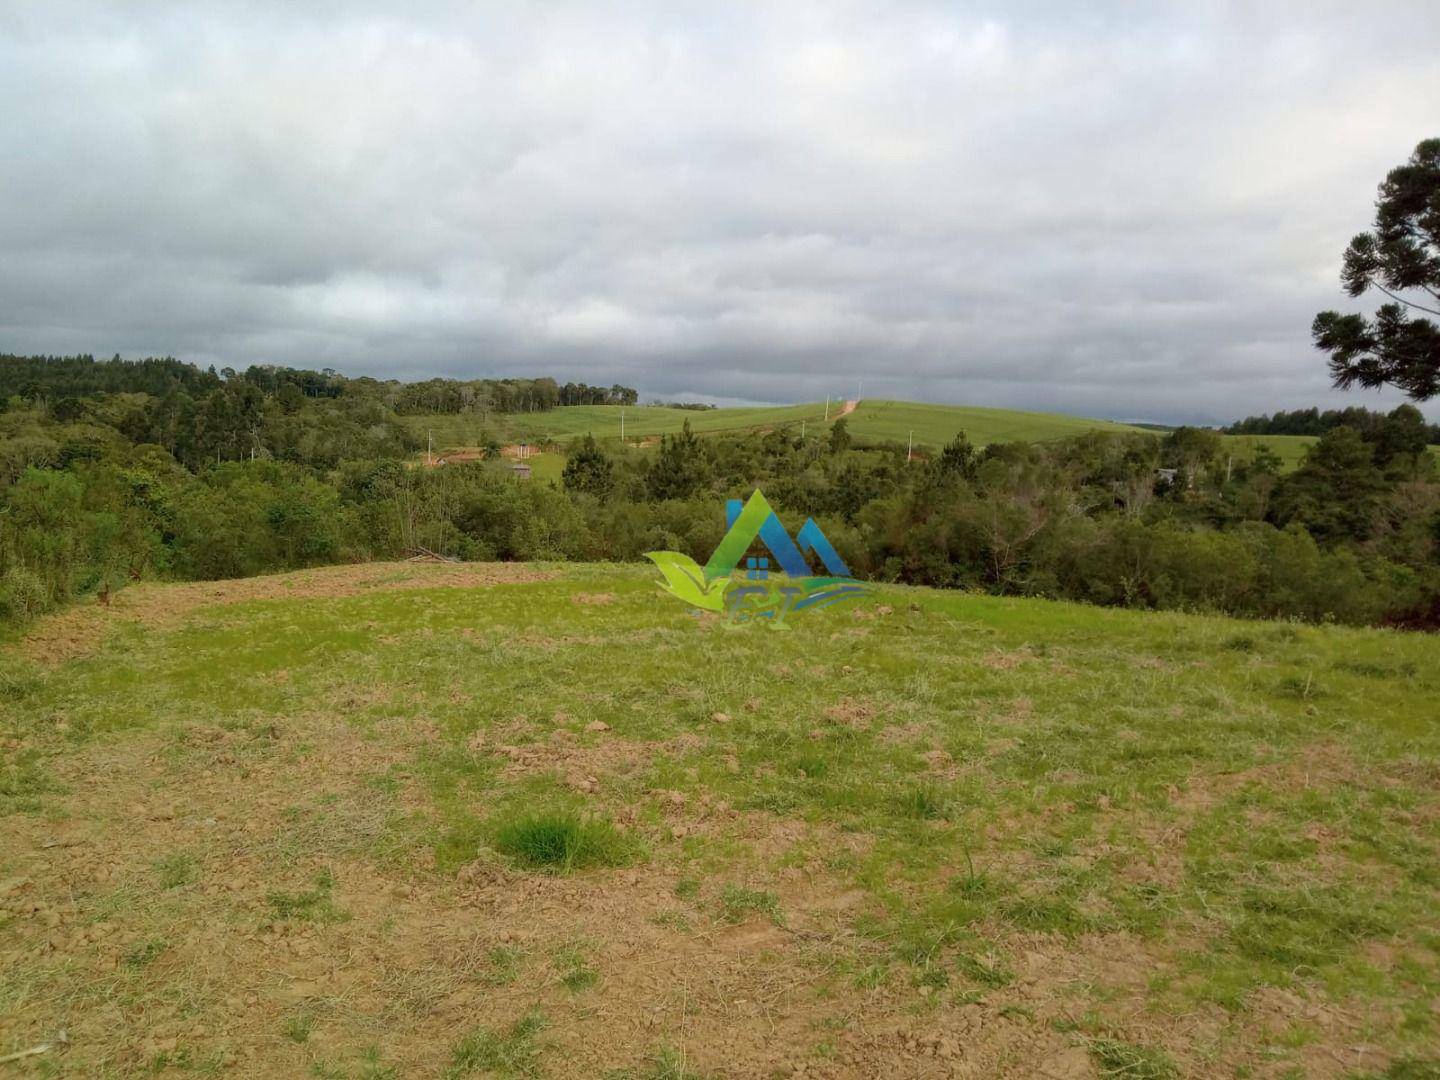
{"type": "Point", "coordinates": [853, 714]}
{"type": "Point", "coordinates": [164, 973]}
{"type": "Point", "coordinates": [997, 660]}
{"type": "Point", "coordinates": [205, 901]}
{"type": "Point", "coordinates": [241, 898]}
{"type": "Point", "coordinates": [78, 630]}
{"type": "Point", "coordinates": [1316, 766]}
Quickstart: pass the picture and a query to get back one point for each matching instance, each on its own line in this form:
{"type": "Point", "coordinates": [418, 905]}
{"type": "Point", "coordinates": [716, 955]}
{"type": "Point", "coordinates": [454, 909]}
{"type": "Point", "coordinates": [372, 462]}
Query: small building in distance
{"type": "Point", "coordinates": [521, 470]}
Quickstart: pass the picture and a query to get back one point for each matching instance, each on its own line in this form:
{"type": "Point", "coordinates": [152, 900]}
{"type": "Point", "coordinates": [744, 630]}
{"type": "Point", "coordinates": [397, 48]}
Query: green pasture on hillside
{"type": "Point", "coordinates": [1184, 844]}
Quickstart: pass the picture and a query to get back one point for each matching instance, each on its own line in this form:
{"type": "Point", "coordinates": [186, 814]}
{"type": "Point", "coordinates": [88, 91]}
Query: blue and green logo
{"type": "Point", "coordinates": [759, 593]}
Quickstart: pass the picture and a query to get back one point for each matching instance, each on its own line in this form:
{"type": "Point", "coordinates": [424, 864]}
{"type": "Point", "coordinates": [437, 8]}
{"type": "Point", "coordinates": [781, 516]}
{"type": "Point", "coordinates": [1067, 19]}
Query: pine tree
{"type": "Point", "coordinates": [588, 469]}
{"type": "Point", "coordinates": [1401, 255]}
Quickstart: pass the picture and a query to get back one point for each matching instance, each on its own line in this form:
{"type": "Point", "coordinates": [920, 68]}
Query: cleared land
{"type": "Point", "coordinates": [872, 420]}
{"type": "Point", "coordinates": [603, 421]}
{"type": "Point", "coordinates": [1290, 449]}
{"type": "Point", "coordinates": [933, 425]}
{"type": "Point", "coordinates": [403, 820]}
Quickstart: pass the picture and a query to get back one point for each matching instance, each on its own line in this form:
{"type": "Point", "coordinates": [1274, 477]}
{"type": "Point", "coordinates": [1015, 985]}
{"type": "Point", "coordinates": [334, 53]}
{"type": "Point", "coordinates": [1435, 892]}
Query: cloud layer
{"type": "Point", "coordinates": [1027, 205]}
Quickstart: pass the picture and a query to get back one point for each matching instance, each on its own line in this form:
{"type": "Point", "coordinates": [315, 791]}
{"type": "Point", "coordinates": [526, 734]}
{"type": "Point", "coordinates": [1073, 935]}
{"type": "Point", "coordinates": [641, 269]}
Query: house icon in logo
{"type": "Point", "coordinates": [714, 587]}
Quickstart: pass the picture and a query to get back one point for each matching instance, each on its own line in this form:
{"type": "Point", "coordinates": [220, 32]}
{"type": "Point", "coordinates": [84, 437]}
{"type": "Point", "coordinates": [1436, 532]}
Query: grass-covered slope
{"type": "Point", "coordinates": [407, 820]}
{"type": "Point", "coordinates": [933, 425]}
{"type": "Point", "coordinates": [1290, 449]}
{"type": "Point", "coordinates": [603, 421]}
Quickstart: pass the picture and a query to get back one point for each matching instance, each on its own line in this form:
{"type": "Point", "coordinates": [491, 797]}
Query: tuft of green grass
{"type": "Point", "coordinates": [23, 780]}
{"type": "Point", "coordinates": [144, 953]}
{"type": "Point", "coordinates": [990, 973]}
{"type": "Point", "coordinates": [513, 1052]}
{"type": "Point", "coordinates": [1406, 1068]}
{"type": "Point", "coordinates": [176, 870]}
{"type": "Point", "coordinates": [667, 1064]}
{"type": "Point", "coordinates": [1305, 929]}
{"type": "Point", "coordinates": [561, 841]}
{"type": "Point", "coordinates": [1302, 687]}
{"type": "Point", "coordinates": [1044, 913]}
{"type": "Point", "coordinates": [312, 905]}
{"type": "Point", "coordinates": [297, 1026]}
{"type": "Point", "coordinates": [871, 976]}
{"type": "Point", "coordinates": [503, 965]}
{"type": "Point", "coordinates": [671, 920]}
{"type": "Point", "coordinates": [370, 1068]}
{"type": "Point", "coordinates": [927, 802]}
{"type": "Point", "coordinates": [933, 978]}
{"type": "Point", "coordinates": [576, 974]}
{"type": "Point", "coordinates": [1129, 1061]}
{"type": "Point", "coordinates": [1372, 670]}
{"type": "Point", "coordinates": [737, 903]}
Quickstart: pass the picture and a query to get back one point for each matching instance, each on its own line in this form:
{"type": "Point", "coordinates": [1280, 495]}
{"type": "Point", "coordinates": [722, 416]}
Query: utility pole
{"type": "Point", "coordinates": [622, 425]}
{"type": "Point", "coordinates": [430, 447]}
{"type": "Point", "coordinates": [802, 430]}
{"type": "Point", "coordinates": [911, 448]}
{"type": "Point", "coordinates": [827, 407]}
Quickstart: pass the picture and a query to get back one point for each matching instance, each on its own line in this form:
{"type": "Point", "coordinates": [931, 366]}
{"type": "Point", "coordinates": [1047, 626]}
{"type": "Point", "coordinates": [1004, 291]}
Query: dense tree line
{"type": "Point", "coordinates": [57, 377]}
{"type": "Point", "coordinates": [253, 474]}
{"type": "Point", "coordinates": [496, 395]}
{"type": "Point", "coordinates": [580, 394]}
{"type": "Point", "coordinates": [1314, 422]}
{"type": "Point", "coordinates": [54, 380]}
{"type": "Point", "coordinates": [1136, 520]}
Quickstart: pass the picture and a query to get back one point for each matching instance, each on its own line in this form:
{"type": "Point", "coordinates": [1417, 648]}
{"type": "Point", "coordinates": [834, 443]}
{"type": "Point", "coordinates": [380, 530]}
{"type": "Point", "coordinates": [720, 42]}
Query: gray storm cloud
{"type": "Point", "coordinates": [1111, 213]}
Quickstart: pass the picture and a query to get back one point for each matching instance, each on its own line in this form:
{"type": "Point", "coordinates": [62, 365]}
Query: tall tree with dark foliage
{"type": "Point", "coordinates": [1401, 258]}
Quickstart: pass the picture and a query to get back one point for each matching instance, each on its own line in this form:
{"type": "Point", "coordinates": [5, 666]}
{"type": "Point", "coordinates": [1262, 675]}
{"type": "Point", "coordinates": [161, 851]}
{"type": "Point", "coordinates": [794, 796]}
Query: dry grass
{"type": "Point", "coordinates": [283, 841]}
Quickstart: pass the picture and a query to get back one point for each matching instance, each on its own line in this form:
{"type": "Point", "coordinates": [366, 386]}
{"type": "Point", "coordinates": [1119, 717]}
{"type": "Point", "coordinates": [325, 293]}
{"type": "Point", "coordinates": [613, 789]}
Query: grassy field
{"type": "Point", "coordinates": [401, 820]}
{"type": "Point", "coordinates": [872, 421]}
{"type": "Point", "coordinates": [932, 425]}
{"type": "Point", "coordinates": [603, 421]}
{"type": "Point", "coordinates": [1290, 449]}
{"type": "Point", "coordinates": [935, 425]}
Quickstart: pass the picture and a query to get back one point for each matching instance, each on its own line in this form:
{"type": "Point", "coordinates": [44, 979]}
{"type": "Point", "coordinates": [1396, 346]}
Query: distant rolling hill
{"type": "Point", "coordinates": [871, 421]}
{"type": "Point", "coordinates": [935, 425]}
{"type": "Point", "coordinates": [603, 421]}
{"type": "Point", "coordinates": [1290, 449]}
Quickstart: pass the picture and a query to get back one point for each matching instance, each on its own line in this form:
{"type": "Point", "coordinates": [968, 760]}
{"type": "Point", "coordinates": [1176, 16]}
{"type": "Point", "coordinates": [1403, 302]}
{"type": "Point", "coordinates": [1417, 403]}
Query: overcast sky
{"type": "Point", "coordinates": [1121, 211]}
